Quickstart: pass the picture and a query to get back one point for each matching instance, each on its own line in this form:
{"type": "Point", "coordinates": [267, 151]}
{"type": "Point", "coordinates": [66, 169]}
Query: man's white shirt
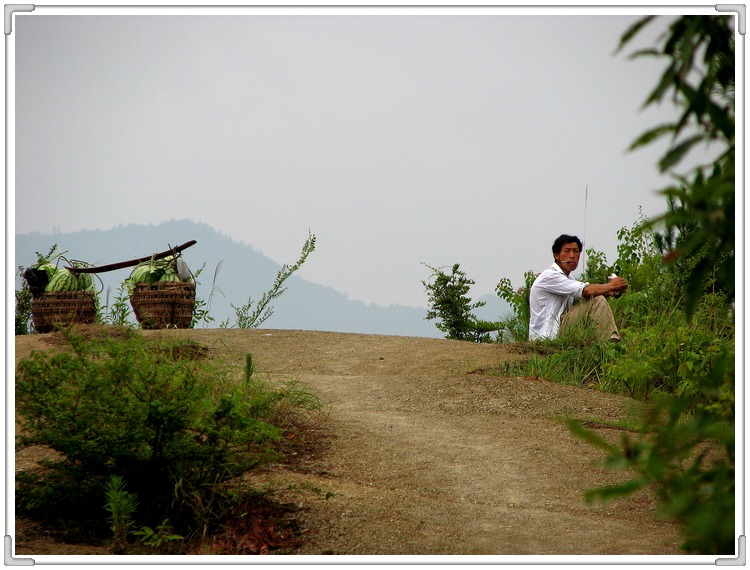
{"type": "Point", "coordinates": [552, 294]}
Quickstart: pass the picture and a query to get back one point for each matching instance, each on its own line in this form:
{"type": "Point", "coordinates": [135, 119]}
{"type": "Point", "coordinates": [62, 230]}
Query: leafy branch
{"type": "Point", "coordinates": [246, 316]}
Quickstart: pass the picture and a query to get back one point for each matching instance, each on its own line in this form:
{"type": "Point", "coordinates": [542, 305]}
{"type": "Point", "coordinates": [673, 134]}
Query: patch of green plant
{"type": "Point", "coordinates": [515, 327]}
{"type": "Point", "coordinates": [119, 313]}
{"type": "Point", "coordinates": [24, 300]}
{"type": "Point", "coordinates": [121, 505]}
{"type": "Point", "coordinates": [252, 314]}
{"type": "Point", "coordinates": [672, 356]}
{"type": "Point", "coordinates": [156, 538]}
{"type": "Point", "coordinates": [576, 356]}
{"type": "Point", "coordinates": [149, 413]}
{"type": "Point", "coordinates": [450, 304]}
{"type": "Point", "coordinates": [578, 366]}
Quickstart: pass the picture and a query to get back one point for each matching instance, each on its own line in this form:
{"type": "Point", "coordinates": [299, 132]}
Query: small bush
{"type": "Point", "coordinates": [23, 308]}
{"type": "Point", "coordinates": [449, 302]}
{"type": "Point", "coordinates": [516, 326]}
{"type": "Point", "coordinates": [151, 414]}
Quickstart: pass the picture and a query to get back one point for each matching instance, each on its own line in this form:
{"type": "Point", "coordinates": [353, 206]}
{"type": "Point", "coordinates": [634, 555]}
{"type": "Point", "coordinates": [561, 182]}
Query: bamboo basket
{"type": "Point", "coordinates": [164, 304]}
{"type": "Point", "coordinates": [62, 308]}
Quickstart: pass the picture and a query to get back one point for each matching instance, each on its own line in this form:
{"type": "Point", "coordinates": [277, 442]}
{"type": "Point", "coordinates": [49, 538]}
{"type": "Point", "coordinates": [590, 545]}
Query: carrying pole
{"type": "Point", "coordinates": [132, 262]}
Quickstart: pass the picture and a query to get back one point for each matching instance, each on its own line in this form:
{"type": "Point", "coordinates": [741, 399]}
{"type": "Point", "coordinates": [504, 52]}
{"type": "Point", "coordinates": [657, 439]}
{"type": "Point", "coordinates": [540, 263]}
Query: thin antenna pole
{"type": "Point", "coordinates": [585, 208]}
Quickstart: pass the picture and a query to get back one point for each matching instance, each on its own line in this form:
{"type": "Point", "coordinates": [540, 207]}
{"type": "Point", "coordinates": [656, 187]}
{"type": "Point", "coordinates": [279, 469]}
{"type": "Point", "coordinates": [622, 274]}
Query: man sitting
{"type": "Point", "coordinates": [553, 292]}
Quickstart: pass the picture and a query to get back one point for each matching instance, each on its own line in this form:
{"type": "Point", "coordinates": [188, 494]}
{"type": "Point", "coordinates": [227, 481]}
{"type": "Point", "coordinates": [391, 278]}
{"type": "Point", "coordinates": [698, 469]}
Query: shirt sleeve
{"type": "Point", "coordinates": [559, 284]}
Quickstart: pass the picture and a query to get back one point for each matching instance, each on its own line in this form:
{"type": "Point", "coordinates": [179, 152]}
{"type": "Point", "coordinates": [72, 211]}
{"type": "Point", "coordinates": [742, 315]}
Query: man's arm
{"type": "Point", "coordinates": [594, 289]}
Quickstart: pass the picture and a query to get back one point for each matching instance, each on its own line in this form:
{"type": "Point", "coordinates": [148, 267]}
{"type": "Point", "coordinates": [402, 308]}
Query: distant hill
{"type": "Point", "coordinates": [244, 273]}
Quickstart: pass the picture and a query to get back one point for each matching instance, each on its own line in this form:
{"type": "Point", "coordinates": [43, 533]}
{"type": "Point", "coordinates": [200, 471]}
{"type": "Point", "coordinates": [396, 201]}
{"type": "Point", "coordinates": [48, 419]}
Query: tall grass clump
{"type": "Point", "coordinates": [150, 428]}
{"type": "Point", "coordinates": [575, 357]}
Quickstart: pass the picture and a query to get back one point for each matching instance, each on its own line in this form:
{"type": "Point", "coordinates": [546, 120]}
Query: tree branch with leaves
{"type": "Point", "coordinates": [700, 78]}
{"type": "Point", "coordinates": [248, 317]}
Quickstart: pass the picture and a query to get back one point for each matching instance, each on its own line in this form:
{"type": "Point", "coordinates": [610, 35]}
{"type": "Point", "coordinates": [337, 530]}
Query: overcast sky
{"type": "Point", "coordinates": [395, 139]}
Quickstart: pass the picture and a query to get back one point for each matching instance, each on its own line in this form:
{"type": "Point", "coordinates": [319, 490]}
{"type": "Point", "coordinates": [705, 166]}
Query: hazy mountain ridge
{"type": "Point", "coordinates": [244, 272]}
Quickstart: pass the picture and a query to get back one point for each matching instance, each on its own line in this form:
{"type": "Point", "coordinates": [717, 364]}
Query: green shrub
{"type": "Point", "coordinates": [23, 307]}
{"type": "Point", "coordinates": [449, 302]}
{"type": "Point", "coordinates": [673, 355]}
{"type": "Point", "coordinates": [515, 327]}
{"type": "Point", "coordinates": [175, 427]}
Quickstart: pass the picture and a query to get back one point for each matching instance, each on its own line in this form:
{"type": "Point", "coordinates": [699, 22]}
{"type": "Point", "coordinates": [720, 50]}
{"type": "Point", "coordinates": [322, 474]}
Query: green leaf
{"type": "Point", "coordinates": [722, 120]}
{"type": "Point", "coordinates": [651, 135]}
{"type": "Point", "coordinates": [632, 31]}
{"type": "Point", "coordinates": [611, 492]}
{"type": "Point", "coordinates": [648, 52]}
{"type": "Point", "coordinates": [676, 153]}
{"type": "Point", "coordinates": [668, 79]}
{"type": "Point", "coordinates": [590, 437]}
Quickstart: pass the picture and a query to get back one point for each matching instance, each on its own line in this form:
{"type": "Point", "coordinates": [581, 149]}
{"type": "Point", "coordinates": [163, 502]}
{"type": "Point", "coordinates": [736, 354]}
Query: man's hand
{"type": "Point", "coordinates": [618, 284]}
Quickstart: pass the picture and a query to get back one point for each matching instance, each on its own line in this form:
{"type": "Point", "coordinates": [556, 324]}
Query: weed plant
{"type": "Point", "coordinates": [118, 314]}
{"type": "Point", "coordinates": [121, 505]}
{"type": "Point", "coordinates": [251, 315]}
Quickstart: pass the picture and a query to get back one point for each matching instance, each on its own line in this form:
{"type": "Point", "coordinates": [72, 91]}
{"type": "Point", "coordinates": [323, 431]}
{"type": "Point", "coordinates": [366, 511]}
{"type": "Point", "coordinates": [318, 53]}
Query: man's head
{"type": "Point", "coordinates": [567, 251]}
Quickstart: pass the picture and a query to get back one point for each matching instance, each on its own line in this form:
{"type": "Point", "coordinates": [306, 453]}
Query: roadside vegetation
{"type": "Point", "coordinates": [151, 439]}
{"type": "Point", "coordinates": [677, 320]}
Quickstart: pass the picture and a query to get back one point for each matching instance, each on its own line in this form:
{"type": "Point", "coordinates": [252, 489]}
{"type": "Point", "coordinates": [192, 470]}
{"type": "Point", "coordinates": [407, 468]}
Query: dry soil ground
{"type": "Point", "coordinates": [428, 452]}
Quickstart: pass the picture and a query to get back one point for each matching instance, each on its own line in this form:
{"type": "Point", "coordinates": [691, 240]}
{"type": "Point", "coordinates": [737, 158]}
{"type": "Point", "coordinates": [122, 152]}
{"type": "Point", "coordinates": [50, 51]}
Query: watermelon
{"type": "Point", "coordinates": [63, 280]}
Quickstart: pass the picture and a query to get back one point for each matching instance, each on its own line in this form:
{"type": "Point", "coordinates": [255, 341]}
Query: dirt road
{"type": "Point", "coordinates": [429, 453]}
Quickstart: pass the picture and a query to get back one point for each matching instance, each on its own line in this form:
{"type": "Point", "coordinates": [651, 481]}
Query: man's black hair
{"type": "Point", "coordinates": [562, 240]}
